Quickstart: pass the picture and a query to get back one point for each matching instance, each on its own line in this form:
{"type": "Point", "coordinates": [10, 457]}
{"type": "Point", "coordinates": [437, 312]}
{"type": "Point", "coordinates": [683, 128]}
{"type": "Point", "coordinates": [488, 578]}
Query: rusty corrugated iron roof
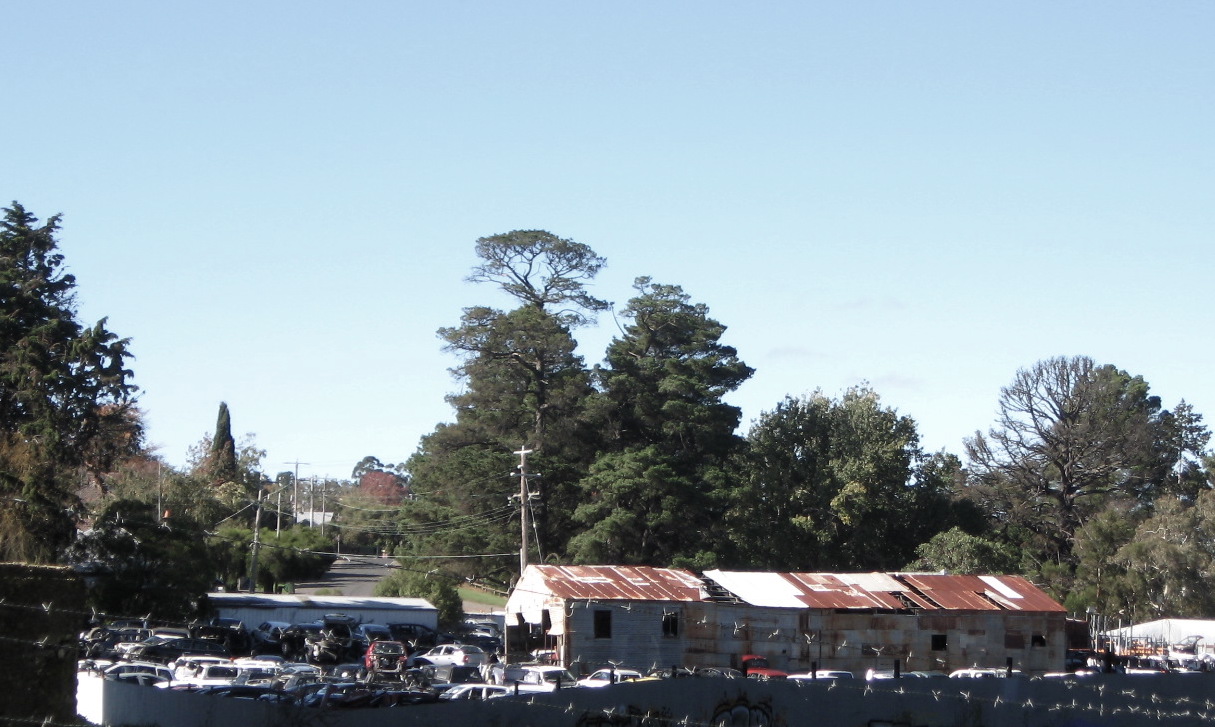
{"type": "Point", "coordinates": [990, 593]}
{"type": "Point", "coordinates": [620, 582]}
{"type": "Point", "coordinates": [886, 591]}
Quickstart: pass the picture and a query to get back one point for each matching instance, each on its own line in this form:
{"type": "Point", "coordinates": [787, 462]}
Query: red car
{"type": "Point", "coordinates": [385, 657]}
{"type": "Point", "coordinates": [756, 667]}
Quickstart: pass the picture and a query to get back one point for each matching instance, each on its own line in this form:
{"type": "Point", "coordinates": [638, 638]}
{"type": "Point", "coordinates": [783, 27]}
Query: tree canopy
{"type": "Point", "coordinates": [66, 397]}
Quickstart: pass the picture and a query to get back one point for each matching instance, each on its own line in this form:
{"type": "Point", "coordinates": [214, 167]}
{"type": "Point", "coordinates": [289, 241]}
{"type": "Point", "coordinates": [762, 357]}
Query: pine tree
{"type": "Point", "coordinates": [66, 401]}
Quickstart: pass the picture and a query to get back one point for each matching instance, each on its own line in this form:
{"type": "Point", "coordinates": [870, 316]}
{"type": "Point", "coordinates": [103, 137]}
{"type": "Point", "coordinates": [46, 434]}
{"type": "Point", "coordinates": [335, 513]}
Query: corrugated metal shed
{"type": "Point", "coordinates": [886, 591]}
{"type": "Point", "coordinates": [623, 583]}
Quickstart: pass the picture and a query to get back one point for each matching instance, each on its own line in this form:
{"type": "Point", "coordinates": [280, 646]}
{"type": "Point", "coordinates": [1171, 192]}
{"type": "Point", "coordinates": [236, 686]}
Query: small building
{"type": "Point", "coordinates": [646, 617]}
{"type": "Point", "coordinates": [593, 615]}
{"type": "Point", "coordinates": [256, 608]}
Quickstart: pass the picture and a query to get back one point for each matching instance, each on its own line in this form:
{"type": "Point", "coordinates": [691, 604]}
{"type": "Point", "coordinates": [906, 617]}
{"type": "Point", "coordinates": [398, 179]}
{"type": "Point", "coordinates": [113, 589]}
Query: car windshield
{"type": "Point", "coordinates": [559, 675]}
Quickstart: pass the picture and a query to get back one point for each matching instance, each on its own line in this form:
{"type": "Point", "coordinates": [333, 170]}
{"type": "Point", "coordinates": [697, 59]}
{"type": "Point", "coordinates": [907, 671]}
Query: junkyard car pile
{"type": "Point", "coordinates": [332, 663]}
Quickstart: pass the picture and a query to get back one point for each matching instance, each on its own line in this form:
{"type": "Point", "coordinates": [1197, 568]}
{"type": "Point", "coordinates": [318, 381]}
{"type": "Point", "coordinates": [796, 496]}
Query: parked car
{"type": "Point", "coordinates": [718, 671]}
{"type": "Point", "coordinates": [672, 672]}
{"type": "Point", "coordinates": [267, 638]}
{"type": "Point", "coordinates": [607, 677]}
{"type": "Point", "coordinates": [476, 692]}
{"type": "Point", "coordinates": [123, 670]}
{"type": "Point", "coordinates": [981, 673]}
{"type": "Point", "coordinates": [824, 674]}
{"type": "Point", "coordinates": [369, 633]}
{"type": "Point", "coordinates": [186, 667]}
{"type": "Point", "coordinates": [230, 632]}
{"type": "Point", "coordinates": [462, 654]}
{"type": "Point", "coordinates": [385, 657]}
{"type": "Point", "coordinates": [417, 636]}
{"type": "Point", "coordinates": [538, 677]}
{"type": "Point", "coordinates": [293, 640]}
{"type": "Point", "coordinates": [166, 651]}
{"type": "Point", "coordinates": [443, 677]}
{"type": "Point", "coordinates": [335, 642]}
{"type": "Point", "coordinates": [756, 667]}
{"type": "Point", "coordinates": [212, 675]}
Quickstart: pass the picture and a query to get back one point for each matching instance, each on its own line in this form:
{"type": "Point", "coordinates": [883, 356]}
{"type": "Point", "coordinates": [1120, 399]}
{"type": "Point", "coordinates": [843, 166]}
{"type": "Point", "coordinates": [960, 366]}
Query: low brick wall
{"type": "Point", "coordinates": [40, 620]}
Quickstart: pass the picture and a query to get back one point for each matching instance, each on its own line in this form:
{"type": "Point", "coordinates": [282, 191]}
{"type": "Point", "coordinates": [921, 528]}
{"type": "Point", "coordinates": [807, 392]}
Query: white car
{"type": "Point", "coordinates": [823, 674]}
{"type": "Point", "coordinates": [537, 678]}
{"type": "Point", "coordinates": [980, 673]}
{"type": "Point", "coordinates": [605, 677]}
{"type": "Point", "coordinates": [187, 667]}
{"type": "Point", "coordinates": [140, 672]}
{"type": "Point", "coordinates": [476, 692]}
{"type": "Point", "coordinates": [458, 654]}
{"type": "Point", "coordinates": [211, 675]}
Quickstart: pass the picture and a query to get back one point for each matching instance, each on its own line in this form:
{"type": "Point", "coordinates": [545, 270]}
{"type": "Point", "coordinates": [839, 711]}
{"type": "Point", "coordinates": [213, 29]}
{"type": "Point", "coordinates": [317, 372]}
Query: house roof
{"type": "Point", "coordinates": [895, 591]}
{"type": "Point", "coordinates": [619, 582]}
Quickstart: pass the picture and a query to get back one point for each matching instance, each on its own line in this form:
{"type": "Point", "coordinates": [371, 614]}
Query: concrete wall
{"type": "Point", "coordinates": [1109, 701]}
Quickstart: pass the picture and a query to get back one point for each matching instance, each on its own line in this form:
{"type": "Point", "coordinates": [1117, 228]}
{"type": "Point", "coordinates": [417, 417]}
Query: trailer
{"type": "Point", "coordinates": [257, 608]}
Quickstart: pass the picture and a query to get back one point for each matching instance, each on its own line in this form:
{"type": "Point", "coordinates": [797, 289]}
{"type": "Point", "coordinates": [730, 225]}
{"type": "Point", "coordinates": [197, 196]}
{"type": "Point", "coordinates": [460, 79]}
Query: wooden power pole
{"type": "Point", "coordinates": [523, 505]}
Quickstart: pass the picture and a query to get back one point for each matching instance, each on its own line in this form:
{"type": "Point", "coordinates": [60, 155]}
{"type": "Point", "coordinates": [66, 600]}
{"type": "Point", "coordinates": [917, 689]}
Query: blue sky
{"type": "Point", "coordinates": [278, 202]}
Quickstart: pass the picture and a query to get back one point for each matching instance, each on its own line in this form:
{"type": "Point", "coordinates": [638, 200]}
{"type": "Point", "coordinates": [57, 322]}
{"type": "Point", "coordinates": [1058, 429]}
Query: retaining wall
{"type": "Point", "coordinates": [1113, 701]}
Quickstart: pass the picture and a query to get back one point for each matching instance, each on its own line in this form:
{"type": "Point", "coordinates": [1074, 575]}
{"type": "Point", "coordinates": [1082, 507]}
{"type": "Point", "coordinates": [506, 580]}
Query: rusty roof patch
{"type": "Point", "coordinates": [983, 593]}
{"type": "Point", "coordinates": [878, 591]}
{"type": "Point", "coordinates": [621, 583]}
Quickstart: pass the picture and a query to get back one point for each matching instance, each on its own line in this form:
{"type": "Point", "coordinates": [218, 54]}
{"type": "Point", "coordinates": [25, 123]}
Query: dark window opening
{"type": "Point", "coordinates": [670, 624]}
{"type": "Point", "coordinates": [939, 642]}
{"type": "Point", "coordinates": [603, 624]}
{"type": "Point", "coordinates": [1037, 640]}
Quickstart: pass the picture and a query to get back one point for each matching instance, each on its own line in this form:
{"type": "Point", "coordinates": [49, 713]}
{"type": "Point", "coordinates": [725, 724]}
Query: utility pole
{"type": "Point", "coordinates": [295, 494]}
{"type": "Point", "coordinates": [257, 542]}
{"type": "Point", "coordinates": [160, 487]}
{"type": "Point", "coordinates": [523, 505]}
{"type": "Point", "coordinates": [312, 502]}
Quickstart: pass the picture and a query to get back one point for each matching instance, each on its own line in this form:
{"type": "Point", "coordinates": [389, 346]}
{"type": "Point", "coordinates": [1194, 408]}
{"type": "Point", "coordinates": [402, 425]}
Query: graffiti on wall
{"type": "Point", "coordinates": [627, 716]}
{"type": "Point", "coordinates": [742, 712]}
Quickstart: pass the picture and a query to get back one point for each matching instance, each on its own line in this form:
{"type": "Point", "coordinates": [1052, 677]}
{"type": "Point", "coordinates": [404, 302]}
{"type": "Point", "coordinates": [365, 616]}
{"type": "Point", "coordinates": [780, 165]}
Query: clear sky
{"type": "Point", "coordinates": [278, 201]}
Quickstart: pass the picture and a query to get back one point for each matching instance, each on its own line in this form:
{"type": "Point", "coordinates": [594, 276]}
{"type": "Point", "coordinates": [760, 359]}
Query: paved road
{"type": "Point", "coordinates": [355, 576]}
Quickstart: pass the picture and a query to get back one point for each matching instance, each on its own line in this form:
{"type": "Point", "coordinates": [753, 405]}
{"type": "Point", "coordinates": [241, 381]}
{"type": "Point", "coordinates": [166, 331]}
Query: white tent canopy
{"type": "Point", "coordinates": [1167, 631]}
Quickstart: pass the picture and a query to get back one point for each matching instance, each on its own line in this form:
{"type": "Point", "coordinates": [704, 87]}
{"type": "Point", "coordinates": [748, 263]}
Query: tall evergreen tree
{"type": "Point", "coordinates": [221, 460]}
{"type": "Point", "coordinates": [523, 386]}
{"type": "Point", "coordinates": [65, 392]}
{"type": "Point", "coordinates": [655, 495]}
